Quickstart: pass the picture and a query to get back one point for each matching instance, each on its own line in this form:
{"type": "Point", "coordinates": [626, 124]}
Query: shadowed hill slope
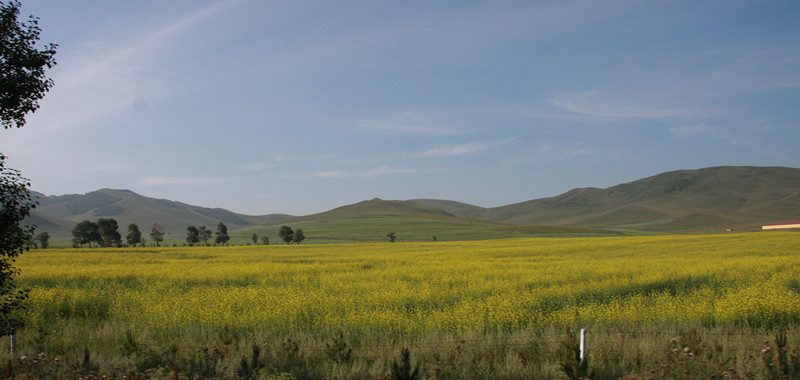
{"type": "Point", "coordinates": [679, 200]}
{"type": "Point", "coordinates": [703, 200]}
{"type": "Point", "coordinates": [374, 206]}
{"type": "Point", "coordinates": [61, 213]}
{"type": "Point", "coordinates": [372, 220]}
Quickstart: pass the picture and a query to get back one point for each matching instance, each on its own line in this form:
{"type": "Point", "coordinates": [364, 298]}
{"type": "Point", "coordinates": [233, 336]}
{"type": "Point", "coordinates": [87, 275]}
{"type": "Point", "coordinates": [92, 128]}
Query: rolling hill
{"type": "Point", "coordinates": [702, 200]}
{"type": "Point", "coordinates": [372, 220]}
{"type": "Point", "coordinates": [59, 214]}
{"type": "Point", "coordinates": [743, 197]}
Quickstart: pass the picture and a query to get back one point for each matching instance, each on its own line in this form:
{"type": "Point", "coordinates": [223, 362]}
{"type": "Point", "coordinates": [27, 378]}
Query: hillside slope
{"type": "Point", "coordinates": [372, 220]}
{"type": "Point", "coordinates": [61, 213]}
{"type": "Point", "coordinates": [374, 206]}
{"type": "Point", "coordinates": [716, 197]}
{"type": "Point", "coordinates": [702, 200]}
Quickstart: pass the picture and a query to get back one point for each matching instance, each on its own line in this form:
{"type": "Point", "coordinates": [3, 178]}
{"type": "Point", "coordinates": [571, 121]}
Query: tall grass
{"type": "Point", "coordinates": [486, 309]}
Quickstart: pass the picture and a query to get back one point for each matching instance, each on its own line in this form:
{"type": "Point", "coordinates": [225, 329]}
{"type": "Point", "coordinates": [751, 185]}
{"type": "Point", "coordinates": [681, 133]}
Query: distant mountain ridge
{"type": "Point", "coordinates": [375, 206]}
{"type": "Point", "coordinates": [676, 201]}
{"type": "Point", "coordinates": [672, 201]}
{"type": "Point", "coordinates": [62, 212]}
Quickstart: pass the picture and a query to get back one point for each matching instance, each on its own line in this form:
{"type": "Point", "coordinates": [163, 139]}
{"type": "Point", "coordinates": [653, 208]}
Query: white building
{"type": "Point", "coordinates": [780, 226]}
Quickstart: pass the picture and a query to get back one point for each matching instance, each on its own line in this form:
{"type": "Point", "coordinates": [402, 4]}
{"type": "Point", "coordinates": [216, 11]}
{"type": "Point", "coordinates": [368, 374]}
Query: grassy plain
{"type": "Point", "coordinates": [409, 228]}
{"type": "Point", "coordinates": [479, 309]}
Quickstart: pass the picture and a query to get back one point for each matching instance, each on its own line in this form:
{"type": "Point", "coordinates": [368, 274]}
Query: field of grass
{"type": "Point", "coordinates": [478, 309]}
{"type": "Point", "coordinates": [409, 228]}
{"type": "Point", "coordinates": [372, 228]}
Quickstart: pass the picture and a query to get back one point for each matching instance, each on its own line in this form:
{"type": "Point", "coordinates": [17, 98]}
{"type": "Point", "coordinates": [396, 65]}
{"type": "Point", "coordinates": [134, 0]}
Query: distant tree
{"type": "Point", "coordinates": [109, 233]}
{"type": "Point", "coordinates": [192, 235]}
{"type": "Point", "coordinates": [134, 235]}
{"type": "Point", "coordinates": [144, 241]}
{"type": "Point", "coordinates": [298, 236]}
{"type": "Point", "coordinates": [254, 238]}
{"type": "Point", "coordinates": [85, 232]}
{"type": "Point", "coordinates": [286, 234]}
{"type": "Point", "coordinates": [222, 234]}
{"type": "Point", "coordinates": [265, 240]}
{"type": "Point", "coordinates": [44, 239]}
{"type": "Point", "coordinates": [157, 233]}
{"type": "Point", "coordinates": [392, 237]}
{"type": "Point", "coordinates": [205, 234]}
{"type": "Point", "coordinates": [434, 237]}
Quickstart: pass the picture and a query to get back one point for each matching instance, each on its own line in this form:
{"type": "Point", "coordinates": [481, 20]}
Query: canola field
{"type": "Point", "coordinates": [407, 289]}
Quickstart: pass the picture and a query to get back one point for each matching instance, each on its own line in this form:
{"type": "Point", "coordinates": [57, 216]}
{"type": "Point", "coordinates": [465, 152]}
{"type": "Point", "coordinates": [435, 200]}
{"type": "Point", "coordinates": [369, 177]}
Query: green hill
{"type": "Point", "coordinates": [372, 220]}
{"type": "Point", "coordinates": [703, 200]}
{"type": "Point", "coordinates": [452, 207]}
{"type": "Point", "coordinates": [59, 214]}
{"type": "Point", "coordinates": [679, 201]}
{"type": "Point", "coordinates": [375, 206]}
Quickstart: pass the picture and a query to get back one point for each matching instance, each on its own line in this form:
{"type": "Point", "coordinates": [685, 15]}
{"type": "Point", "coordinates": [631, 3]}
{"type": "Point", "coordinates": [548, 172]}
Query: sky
{"type": "Point", "coordinates": [298, 107]}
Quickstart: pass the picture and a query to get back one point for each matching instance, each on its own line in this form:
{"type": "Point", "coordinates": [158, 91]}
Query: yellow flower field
{"type": "Point", "coordinates": [748, 279]}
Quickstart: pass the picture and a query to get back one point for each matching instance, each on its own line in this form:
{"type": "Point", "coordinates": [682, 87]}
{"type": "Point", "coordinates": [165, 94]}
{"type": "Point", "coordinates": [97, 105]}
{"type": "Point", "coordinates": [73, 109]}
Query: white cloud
{"type": "Point", "coordinates": [612, 105]}
{"type": "Point", "coordinates": [257, 166]}
{"type": "Point", "coordinates": [411, 121]}
{"type": "Point", "coordinates": [162, 180]}
{"type": "Point", "coordinates": [103, 77]}
{"type": "Point", "coordinates": [377, 172]}
{"type": "Point", "coordinates": [463, 149]}
{"type": "Point", "coordinates": [574, 151]}
{"type": "Point", "coordinates": [453, 150]}
{"type": "Point", "coordinates": [692, 130]}
{"type": "Point", "coordinates": [407, 128]}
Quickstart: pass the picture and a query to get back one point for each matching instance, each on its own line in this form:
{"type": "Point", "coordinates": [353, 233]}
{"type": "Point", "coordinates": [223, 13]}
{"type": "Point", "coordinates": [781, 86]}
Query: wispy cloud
{"type": "Point", "coordinates": [599, 104]}
{"type": "Point", "coordinates": [257, 166]}
{"type": "Point", "coordinates": [161, 181]}
{"type": "Point", "coordinates": [462, 149]}
{"type": "Point", "coordinates": [562, 151]}
{"type": "Point", "coordinates": [693, 130]}
{"type": "Point", "coordinates": [410, 121]}
{"type": "Point", "coordinates": [407, 128]}
{"type": "Point", "coordinates": [377, 172]}
{"type": "Point", "coordinates": [281, 160]}
{"type": "Point", "coordinates": [453, 150]}
{"type": "Point", "coordinates": [105, 76]}
{"type": "Point", "coordinates": [575, 151]}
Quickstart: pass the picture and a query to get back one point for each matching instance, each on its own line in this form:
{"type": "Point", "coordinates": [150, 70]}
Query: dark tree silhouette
{"type": "Point", "coordinates": [286, 234]}
{"type": "Point", "coordinates": [109, 233]}
{"type": "Point", "coordinates": [85, 232]}
{"type": "Point", "coordinates": [298, 236]}
{"type": "Point", "coordinates": [157, 233]}
{"type": "Point", "coordinates": [192, 235]}
{"type": "Point", "coordinates": [222, 234]}
{"type": "Point", "coordinates": [134, 235]}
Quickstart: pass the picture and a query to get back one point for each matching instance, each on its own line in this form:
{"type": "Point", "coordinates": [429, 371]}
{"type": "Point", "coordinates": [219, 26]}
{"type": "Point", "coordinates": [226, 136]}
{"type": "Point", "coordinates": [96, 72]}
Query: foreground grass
{"type": "Point", "coordinates": [487, 309]}
{"type": "Point", "coordinates": [75, 350]}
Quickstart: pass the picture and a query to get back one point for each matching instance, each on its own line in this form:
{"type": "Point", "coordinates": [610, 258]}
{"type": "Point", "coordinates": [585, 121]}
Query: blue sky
{"type": "Point", "coordinates": [299, 107]}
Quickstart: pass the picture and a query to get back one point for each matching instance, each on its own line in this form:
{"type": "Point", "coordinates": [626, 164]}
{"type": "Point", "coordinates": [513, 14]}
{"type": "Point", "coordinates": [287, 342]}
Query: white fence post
{"type": "Point", "coordinates": [583, 347]}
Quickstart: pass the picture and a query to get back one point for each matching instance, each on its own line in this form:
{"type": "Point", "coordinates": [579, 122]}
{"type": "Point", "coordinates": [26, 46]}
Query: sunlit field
{"type": "Point", "coordinates": [410, 292]}
{"type": "Point", "coordinates": [500, 285]}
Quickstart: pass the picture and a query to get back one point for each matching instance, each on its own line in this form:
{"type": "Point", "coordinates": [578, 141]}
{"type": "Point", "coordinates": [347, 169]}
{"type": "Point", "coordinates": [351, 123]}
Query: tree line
{"type": "Point", "coordinates": [105, 233]}
{"type": "Point", "coordinates": [195, 235]}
